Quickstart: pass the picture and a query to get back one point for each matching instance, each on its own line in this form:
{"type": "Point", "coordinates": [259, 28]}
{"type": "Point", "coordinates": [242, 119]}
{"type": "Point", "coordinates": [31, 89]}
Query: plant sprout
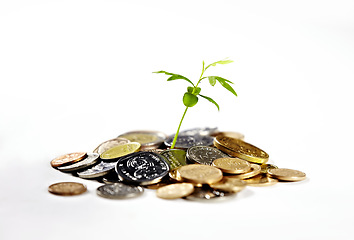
{"type": "Point", "coordinates": [190, 98]}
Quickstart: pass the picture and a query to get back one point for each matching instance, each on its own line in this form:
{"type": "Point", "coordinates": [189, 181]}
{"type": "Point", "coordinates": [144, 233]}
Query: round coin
{"type": "Point", "coordinates": [203, 194]}
{"type": "Point", "coordinates": [242, 149]}
{"type": "Point", "coordinates": [232, 165]}
{"type": "Point", "coordinates": [67, 188]}
{"type": "Point", "coordinates": [119, 191]}
{"type": "Point", "coordinates": [174, 191]}
{"type": "Point", "coordinates": [200, 174]}
{"type": "Point", "coordinates": [98, 170]}
{"type": "Point", "coordinates": [67, 159]}
{"type": "Point", "coordinates": [187, 141]}
{"type": "Point", "coordinates": [119, 151]}
{"type": "Point", "coordinates": [147, 139]}
{"type": "Point", "coordinates": [109, 144]}
{"type": "Point", "coordinates": [91, 159]}
{"type": "Point", "coordinates": [266, 167]}
{"type": "Point", "coordinates": [230, 134]}
{"type": "Point", "coordinates": [229, 185]}
{"type": "Point", "coordinates": [261, 180]}
{"type": "Point", "coordinates": [142, 168]}
{"type": "Point", "coordinates": [199, 131]}
{"type": "Point", "coordinates": [175, 157]}
{"type": "Point", "coordinates": [286, 174]}
{"type": "Point", "coordinates": [204, 154]}
{"type": "Point", "coordinates": [255, 170]}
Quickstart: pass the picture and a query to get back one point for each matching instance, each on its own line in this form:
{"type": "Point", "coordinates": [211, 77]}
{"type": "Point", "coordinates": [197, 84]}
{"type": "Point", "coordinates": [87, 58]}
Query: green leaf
{"type": "Point", "coordinates": [210, 100]}
{"type": "Point", "coordinates": [212, 80]}
{"type": "Point", "coordinates": [189, 100]}
{"type": "Point", "coordinates": [190, 89]}
{"type": "Point", "coordinates": [225, 61]}
{"type": "Point", "coordinates": [197, 91]}
{"type": "Point", "coordinates": [224, 83]}
{"type": "Point", "coordinates": [175, 77]}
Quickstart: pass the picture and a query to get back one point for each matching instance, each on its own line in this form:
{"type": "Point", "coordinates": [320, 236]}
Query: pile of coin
{"type": "Point", "coordinates": [204, 165]}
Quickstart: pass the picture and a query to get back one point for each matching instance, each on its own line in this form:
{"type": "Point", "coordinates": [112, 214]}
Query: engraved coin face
{"type": "Point", "coordinates": [98, 170]}
{"type": "Point", "coordinates": [109, 144]}
{"type": "Point", "coordinates": [67, 188]}
{"type": "Point", "coordinates": [255, 170]}
{"type": "Point", "coordinates": [145, 138]}
{"type": "Point", "coordinates": [241, 149]}
{"type": "Point", "coordinates": [199, 131]}
{"type": "Point", "coordinates": [187, 141]}
{"type": "Point", "coordinates": [175, 157]}
{"type": "Point", "coordinates": [67, 159]}
{"type": "Point", "coordinates": [286, 174]}
{"type": "Point", "coordinates": [119, 151]}
{"type": "Point", "coordinates": [91, 159]}
{"type": "Point", "coordinates": [232, 165]}
{"type": "Point", "coordinates": [119, 191]}
{"type": "Point", "coordinates": [174, 191]}
{"type": "Point", "coordinates": [208, 194]}
{"type": "Point", "coordinates": [261, 180]}
{"type": "Point", "coordinates": [204, 154]}
{"type": "Point", "coordinates": [229, 185]}
{"type": "Point", "coordinates": [202, 174]}
{"type": "Point", "coordinates": [142, 168]}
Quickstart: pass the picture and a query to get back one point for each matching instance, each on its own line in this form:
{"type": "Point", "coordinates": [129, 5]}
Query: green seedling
{"type": "Point", "coordinates": [190, 98]}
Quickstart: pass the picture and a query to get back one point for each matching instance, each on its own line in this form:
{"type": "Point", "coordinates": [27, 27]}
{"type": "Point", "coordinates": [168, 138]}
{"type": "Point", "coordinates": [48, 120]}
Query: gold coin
{"type": "Point", "coordinates": [232, 165]}
{"type": "Point", "coordinates": [147, 139]}
{"type": "Point", "coordinates": [229, 185]}
{"type": "Point", "coordinates": [265, 167]}
{"type": "Point", "coordinates": [201, 174]}
{"type": "Point", "coordinates": [255, 170]}
{"type": "Point", "coordinates": [121, 150]}
{"type": "Point", "coordinates": [68, 158]}
{"type": "Point", "coordinates": [109, 144]}
{"type": "Point", "coordinates": [286, 174]}
{"type": "Point", "coordinates": [261, 180]}
{"type": "Point", "coordinates": [176, 190]}
{"type": "Point", "coordinates": [230, 134]}
{"type": "Point", "coordinates": [67, 188]}
{"type": "Point", "coordinates": [175, 176]}
{"type": "Point", "coordinates": [241, 149]}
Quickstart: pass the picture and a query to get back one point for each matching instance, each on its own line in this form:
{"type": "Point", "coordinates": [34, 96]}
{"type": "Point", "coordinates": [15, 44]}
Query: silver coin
{"type": "Point", "coordinates": [187, 141]}
{"type": "Point", "coordinates": [98, 170]}
{"type": "Point", "coordinates": [199, 131]}
{"type": "Point", "coordinates": [208, 194]}
{"type": "Point", "coordinates": [109, 144]}
{"type": "Point", "coordinates": [90, 160]}
{"type": "Point", "coordinates": [144, 168]}
{"type": "Point", "coordinates": [119, 191]}
{"type": "Point", "coordinates": [204, 155]}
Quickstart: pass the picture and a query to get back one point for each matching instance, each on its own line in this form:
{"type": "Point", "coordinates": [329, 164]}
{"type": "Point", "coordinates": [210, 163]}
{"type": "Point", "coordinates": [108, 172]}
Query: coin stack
{"type": "Point", "coordinates": [205, 165]}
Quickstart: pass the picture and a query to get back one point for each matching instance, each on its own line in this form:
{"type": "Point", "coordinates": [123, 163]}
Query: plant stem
{"type": "Point", "coordinates": [180, 123]}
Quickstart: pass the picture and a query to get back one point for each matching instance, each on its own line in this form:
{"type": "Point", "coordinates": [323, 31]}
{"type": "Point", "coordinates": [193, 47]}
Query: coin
{"type": "Point", "coordinates": [240, 149]}
{"type": "Point", "coordinates": [207, 194]}
{"type": "Point", "coordinates": [187, 141]}
{"type": "Point", "coordinates": [206, 131]}
{"type": "Point", "coordinates": [119, 151]}
{"type": "Point", "coordinates": [90, 160]}
{"type": "Point", "coordinates": [286, 174]}
{"type": "Point", "coordinates": [255, 170]}
{"type": "Point", "coordinates": [176, 190]}
{"type": "Point", "coordinates": [204, 154]}
{"type": "Point", "coordinates": [119, 191]}
{"type": "Point", "coordinates": [67, 188]}
{"type": "Point", "coordinates": [147, 139]}
{"type": "Point", "coordinates": [175, 176]}
{"type": "Point", "coordinates": [229, 185]}
{"type": "Point", "coordinates": [111, 178]}
{"type": "Point", "coordinates": [265, 167]}
{"type": "Point", "coordinates": [109, 144]}
{"type": "Point", "coordinates": [67, 159]}
{"type": "Point", "coordinates": [232, 165]}
{"type": "Point", "coordinates": [175, 157]}
{"type": "Point", "coordinates": [230, 134]}
{"type": "Point", "coordinates": [261, 180]}
{"type": "Point", "coordinates": [201, 174]}
{"type": "Point", "coordinates": [142, 168]}
{"type": "Point", "coordinates": [98, 170]}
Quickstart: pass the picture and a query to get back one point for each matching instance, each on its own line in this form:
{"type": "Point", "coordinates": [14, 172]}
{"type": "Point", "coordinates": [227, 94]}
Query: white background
{"type": "Point", "coordinates": [76, 73]}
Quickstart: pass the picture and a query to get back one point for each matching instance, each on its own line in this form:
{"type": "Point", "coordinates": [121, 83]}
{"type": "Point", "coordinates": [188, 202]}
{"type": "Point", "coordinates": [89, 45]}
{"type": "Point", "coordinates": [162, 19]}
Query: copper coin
{"type": "Point", "coordinates": [68, 158]}
{"type": "Point", "coordinates": [67, 188]}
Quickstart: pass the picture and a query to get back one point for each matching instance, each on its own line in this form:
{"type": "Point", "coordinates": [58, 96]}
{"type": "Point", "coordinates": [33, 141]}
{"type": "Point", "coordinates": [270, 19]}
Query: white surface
{"type": "Point", "coordinates": [76, 73]}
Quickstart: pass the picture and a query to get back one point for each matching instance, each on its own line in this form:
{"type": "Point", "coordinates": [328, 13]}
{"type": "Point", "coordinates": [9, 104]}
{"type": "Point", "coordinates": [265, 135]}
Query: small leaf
{"type": "Point", "coordinates": [197, 91]}
{"type": "Point", "coordinates": [224, 83]}
{"type": "Point", "coordinates": [210, 100]}
{"type": "Point", "coordinates": [167, 73]}
{"type": "Point", "coordinates": [189, 100]}
{"type": "Point", "coordinates": [175, 77]}
{"type": "Point", "coordinates": [212, 80]}
{"type": "Point", "coordinates": [190, 89]}
{"type": "Point", "coordinates": [225, 61]}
